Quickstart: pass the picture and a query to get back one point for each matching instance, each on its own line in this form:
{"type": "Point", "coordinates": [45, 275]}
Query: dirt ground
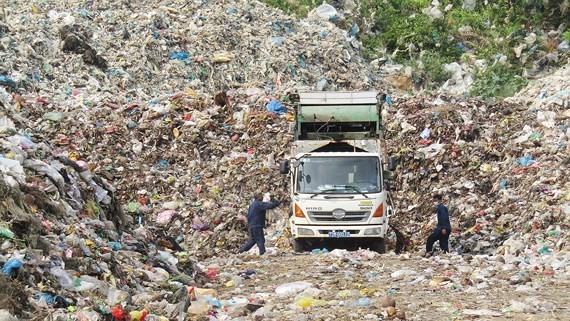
{"type": "Point", "coordinates": [443, 287]}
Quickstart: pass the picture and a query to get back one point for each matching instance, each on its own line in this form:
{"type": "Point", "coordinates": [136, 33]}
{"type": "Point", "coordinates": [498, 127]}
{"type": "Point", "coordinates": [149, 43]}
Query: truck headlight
{"type": "Point", "coordinates": [373, 231]}
{"type": "Point", "coordinates": [305, 231]}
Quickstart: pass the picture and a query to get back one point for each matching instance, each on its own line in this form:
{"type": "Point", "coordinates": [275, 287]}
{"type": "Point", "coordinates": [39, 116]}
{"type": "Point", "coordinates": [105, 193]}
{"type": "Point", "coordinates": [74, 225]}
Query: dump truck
{"type": "Point", "coordinates": [338, 172]}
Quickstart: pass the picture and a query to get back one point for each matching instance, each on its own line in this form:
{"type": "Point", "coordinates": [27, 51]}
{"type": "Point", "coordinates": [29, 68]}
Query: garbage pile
{"type": "Point", "coordinates": [64, 233]}
{"type": "Point", "coordinates": [180, 106]}
{"type": "Point", "coordinates": [503, 168]}
{"type": "Point", "coordinates": [548, 92]}
{"type": "Point", "coordinates": [363, 285]}
{"type": "Point", "coordinates": [132, 137]}
{"type": "Point", "coordinates": [137, 52]}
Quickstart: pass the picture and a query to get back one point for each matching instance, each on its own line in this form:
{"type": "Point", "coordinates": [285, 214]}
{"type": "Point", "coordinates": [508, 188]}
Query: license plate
{"type": "Point", "coordinates": [339, 234]}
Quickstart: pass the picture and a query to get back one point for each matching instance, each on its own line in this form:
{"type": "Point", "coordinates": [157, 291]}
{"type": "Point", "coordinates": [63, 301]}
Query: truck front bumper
{"type": "Point", "coordinates": [327, 231]}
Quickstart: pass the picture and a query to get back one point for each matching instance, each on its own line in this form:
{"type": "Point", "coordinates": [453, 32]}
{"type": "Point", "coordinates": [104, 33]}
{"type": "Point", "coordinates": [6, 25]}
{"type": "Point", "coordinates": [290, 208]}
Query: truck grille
{"type": "Point", "coordinates": [349, 217]}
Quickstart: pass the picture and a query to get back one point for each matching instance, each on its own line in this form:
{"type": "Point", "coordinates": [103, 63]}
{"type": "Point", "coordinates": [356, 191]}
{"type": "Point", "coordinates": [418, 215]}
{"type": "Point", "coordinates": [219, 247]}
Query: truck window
{"type": "Point", "coordinates": [338, 175]}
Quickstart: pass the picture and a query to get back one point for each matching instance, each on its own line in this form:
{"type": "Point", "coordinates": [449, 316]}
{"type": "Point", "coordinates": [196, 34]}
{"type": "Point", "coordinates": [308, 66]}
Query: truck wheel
{"type": "Point", "coordinates": [298, 245]}
{"type": "Point", "coordinates": [379, 245]}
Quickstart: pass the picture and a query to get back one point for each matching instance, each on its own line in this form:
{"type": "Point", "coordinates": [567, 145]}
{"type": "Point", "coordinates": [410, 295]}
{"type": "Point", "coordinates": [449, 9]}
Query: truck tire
{"type": "Point", "coordinates": [379, 245]}
{"type": "Point", "coordinates": [298, 245]}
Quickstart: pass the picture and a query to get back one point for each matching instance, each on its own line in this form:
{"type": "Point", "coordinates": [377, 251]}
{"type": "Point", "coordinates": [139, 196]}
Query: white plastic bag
{"type": "Point", "coordinates": [292, 288]}
{"type": "Point", "coordinates": [326, 11]}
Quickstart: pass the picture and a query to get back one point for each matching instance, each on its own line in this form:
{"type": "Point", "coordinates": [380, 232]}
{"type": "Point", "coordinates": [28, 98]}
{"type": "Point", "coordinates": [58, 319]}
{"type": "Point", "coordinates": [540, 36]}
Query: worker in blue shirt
{"type": "Point", "coordinates": [256, 222]}
{"type": "Point", "coordinates": [442, 230]}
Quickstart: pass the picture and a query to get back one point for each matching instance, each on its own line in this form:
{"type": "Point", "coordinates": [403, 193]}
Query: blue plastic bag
{"type": "Point", "coordinates": [353, 30]}
{"type": "Point", "coordinates": [526, 161]}
{"type": "Point", "coordinates": [12, 265]}
{"type": "Point", "coordinates": [53, 300]}
{"type": "Point", "coordinates": [49, 298]}
{"type": "Point", "coordinates": [504, 184]}
{"type": "Point", "coordinates": [180, 56]}
{"type": "Point", "coordinates": [7, 81]}
{"type": "Point", "coordinates": [116, 246]}
{"type": "Point", "coordinates": [276, 107]}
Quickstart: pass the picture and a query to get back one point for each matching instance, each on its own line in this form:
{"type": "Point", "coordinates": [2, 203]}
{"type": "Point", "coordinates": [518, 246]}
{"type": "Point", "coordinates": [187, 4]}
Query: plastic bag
{"type": "Point", "coordinates": [198, 308]}
{"type": "Point", "coordinates": [83, 285]}
{"type": "Point", "coordinates": [361, 302]}
{"type": "Point", "coordinates": [326, 11]}
{"type": "Point", "coordinates": [116, 296]}
{"type": "Point", "coordinates": [7, 81]}
{"type": "Point", "coordinates": [157, 275]}
{"type": "Point", "coordinates": [48, 298]}
{"type": "Point", "coordinates": [180, 56]}
{"type": "Point", "coordinates": [12, 165]}
{"type": "Point", "coordinates": [402, 273]}
{"type": "Point", "coordinates": [165, 217]}
{"type": "Point", "coordinates": [469, 5]}
{"type": "Point", "coordinates": [118, 313]}
{"type": "Point", "coordinates": [276, 107]}
{"type": "Point", "coordinates": [12, 265]}
{"type": "Point", "coordinates": [306, 302]}
{"type": "Point", "coordinates": [41, 167]}
{"type": "Point", "coordinates": [425, 133]}
{"type": "Point", "coordinates": [63, 277]}
{"type": "Point", "coordinates": [138, 315]}
{"type": "Point", "coordinates": [431, 150]}
{"type": "Point", "coordinates": [53, 116]}
{"type": "Point", "coordinates": [526, 161]}
{"type": "Point", "coordinates": [292, 288]}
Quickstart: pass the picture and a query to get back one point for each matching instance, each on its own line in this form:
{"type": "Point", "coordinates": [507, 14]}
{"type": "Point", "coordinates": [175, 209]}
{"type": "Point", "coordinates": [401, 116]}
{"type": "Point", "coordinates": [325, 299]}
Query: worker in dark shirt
{"type": "Point", "coordinates": [442, 230]}
{"type": "Point", "coordinates": [256, 222]}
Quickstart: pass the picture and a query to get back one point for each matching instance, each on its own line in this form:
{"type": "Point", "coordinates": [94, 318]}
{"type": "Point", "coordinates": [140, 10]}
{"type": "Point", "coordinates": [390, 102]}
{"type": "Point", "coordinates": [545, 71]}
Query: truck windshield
{"type": "Point", "coordinates": [334, 175]}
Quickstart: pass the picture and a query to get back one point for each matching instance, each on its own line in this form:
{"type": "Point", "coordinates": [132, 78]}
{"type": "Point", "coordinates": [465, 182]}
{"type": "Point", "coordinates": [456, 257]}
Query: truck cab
{"type": "Point", "coordinates": [337, 172]}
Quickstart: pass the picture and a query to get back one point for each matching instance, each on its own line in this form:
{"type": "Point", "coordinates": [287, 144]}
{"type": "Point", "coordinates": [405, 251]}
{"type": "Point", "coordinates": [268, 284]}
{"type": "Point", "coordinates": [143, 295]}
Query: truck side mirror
{"type": "Point", "coordinates": [391, 163]}
{"type": "Point", "coordinates": [284, 166]}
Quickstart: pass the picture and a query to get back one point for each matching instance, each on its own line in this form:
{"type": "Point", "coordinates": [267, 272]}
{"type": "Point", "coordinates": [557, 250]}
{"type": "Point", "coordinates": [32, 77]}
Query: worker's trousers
{"type": "Point", "coordinates": [443, 240]}
{"type": "Point", "coordinates": [257, 237]}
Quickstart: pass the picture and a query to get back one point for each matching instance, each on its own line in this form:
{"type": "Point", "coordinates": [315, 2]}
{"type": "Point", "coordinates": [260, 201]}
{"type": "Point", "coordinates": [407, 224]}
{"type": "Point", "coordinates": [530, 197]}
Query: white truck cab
{"type": "Point", "coordinates": [337, 172]}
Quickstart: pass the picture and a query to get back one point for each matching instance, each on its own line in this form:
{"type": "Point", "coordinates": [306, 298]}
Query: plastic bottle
{"type": "Point", "coordinates": [6, 233]}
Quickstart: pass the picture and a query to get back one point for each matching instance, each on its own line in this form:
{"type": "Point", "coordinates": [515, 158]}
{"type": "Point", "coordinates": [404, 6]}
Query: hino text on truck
{"type": "Point", "coordinates": [337, 172]}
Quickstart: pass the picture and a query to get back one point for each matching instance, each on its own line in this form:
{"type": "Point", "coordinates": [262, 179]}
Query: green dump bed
{"type": "Point", "coordinates": [338, 116]}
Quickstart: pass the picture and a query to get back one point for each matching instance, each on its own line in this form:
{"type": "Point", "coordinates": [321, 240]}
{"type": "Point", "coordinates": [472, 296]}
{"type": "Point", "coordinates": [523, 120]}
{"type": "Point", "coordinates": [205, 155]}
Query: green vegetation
{"type": "Point", "coordinates": [406, 33]}
{"type": "Point", "coordinates": [566, 35]}
{"type": "Point", "coordinates": [498, 82]}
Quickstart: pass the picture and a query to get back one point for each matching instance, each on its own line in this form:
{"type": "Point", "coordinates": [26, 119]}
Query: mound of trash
{"type": "Point", "coordinates": [133, 135]}
{"type": "Point", "coordinates": [503, 168]}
